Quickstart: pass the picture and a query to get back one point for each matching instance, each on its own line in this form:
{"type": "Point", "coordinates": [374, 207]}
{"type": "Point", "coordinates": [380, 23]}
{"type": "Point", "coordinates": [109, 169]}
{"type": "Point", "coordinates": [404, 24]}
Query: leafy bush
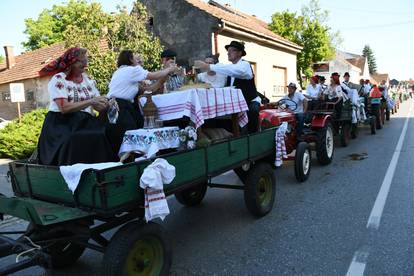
{"type": "Point", "coordinates": [19, 140]}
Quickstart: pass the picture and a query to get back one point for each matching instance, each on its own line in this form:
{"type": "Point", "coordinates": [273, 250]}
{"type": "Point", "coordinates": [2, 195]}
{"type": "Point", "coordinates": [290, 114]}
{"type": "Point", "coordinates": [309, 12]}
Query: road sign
{"type": "Point", "coordinates": [17, 92]}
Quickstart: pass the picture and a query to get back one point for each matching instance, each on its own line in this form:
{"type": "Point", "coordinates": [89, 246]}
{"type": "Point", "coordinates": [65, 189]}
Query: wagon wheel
{"type": "Point", "coordinates": [372, 125]}
{"type": "Point", "coordinates": [62, 253]}
{"type": "Point", "coordinates": [345, 134]}
{"type": "Point", "coordinates": [192, 196]}
{"type": "Point", "coordinates": [382, 113]}
{"type": "Point", "coordinates": [378, 120]}
{"type": "Point", "coordinates": [138, 249]}
{"type": "Point", "coordinates": [302, 162]}
{"type": "Point", "coordinates": [325, 145]}
{"type": "Point", "coordinates": [354, 131]}
{"type": "Point", "coordinates": [260, 189]}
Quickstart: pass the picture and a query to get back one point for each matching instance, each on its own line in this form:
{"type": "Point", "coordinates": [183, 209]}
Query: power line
{"type": "Point", "coordinates": [380, 26]}
{"type": "Point", "coordinates": [345, 9]}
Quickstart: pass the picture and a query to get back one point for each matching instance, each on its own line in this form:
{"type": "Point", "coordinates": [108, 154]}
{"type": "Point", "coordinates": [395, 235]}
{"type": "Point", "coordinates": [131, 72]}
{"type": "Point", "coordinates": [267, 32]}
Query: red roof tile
{"type": "Point", "coordinates": [379, 77]}
{"type": "Point", "coordinates": [28, 64]}
{"type": "Point", "coordinates": [358, 62]}
{"type": "Point", "coordinates": [233, 16]}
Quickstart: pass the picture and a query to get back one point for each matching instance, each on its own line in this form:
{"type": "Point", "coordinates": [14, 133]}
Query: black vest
{"type": "Point", "coordinates": [248, 87]}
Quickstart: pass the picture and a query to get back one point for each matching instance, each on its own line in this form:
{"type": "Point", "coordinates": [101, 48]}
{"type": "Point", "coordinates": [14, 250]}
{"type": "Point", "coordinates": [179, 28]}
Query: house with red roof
{"type": "Point", "coordinates": [24, 68]}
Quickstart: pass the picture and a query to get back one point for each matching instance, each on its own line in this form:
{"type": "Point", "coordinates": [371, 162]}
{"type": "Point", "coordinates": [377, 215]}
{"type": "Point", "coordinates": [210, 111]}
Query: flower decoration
{"type": "Point", "coordinates": [188, 137]}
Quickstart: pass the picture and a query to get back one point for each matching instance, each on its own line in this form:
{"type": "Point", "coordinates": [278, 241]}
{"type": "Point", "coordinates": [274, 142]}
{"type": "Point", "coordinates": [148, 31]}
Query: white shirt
{"type": "Point", "coordinates": [216, 81]}
{"type": "Point", "coordinates": [124, 82]}
{"type": "Point", "coordinates": [61, 88]}
{"type": "Point", "coordinates": [240, 70]}
{"type": "Point", "coordinates": [298, 98]}
{"type": "Point", "coordinates": [313, 92]}
{"type": "Point", "coordinates": [367, 88]}
{"type": "Point", "coordinates": [334, 92]}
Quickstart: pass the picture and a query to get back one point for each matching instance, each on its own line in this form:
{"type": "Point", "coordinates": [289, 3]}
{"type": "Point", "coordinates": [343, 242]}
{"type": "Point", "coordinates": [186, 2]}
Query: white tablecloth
{"type": "Point", "coordinates": [201, 104]}
{"type": "Point", "coordinates": [149, 141]}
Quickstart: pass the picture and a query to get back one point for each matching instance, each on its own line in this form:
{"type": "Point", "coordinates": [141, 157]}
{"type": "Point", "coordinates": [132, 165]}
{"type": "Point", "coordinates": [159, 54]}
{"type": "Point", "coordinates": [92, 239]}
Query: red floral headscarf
{"type": "Point", "coordinates": [336, 79]}
{"type": "Point", "coordinates": [61, 63]}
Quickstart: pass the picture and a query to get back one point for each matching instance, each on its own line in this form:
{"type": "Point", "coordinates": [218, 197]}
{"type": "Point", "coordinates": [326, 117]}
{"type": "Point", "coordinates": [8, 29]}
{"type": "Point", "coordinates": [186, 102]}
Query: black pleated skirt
{"type": "Point", "coordinates": [129, 115]}
{"type": "Point", "coordinates": [78, 137]}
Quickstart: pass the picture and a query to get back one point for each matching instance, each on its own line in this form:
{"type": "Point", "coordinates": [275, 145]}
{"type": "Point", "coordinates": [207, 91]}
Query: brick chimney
{"type": "Point", "coordinates": [10, 61]}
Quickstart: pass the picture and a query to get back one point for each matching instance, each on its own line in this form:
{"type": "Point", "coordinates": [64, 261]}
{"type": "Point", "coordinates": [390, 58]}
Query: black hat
{"type": "Point", "coordinates": [168, 53]}
{"type": "Point", "coordinates": [346, 74]}
{"type": "Point", "coordinates": [321, 78]}
{"type": "Point", "coordinates": [238, 45]}
{"type": "Point", "coordinates": [335, 74]}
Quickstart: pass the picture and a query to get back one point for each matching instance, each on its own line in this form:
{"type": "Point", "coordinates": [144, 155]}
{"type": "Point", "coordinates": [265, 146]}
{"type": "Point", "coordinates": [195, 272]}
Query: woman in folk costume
{"type": "Point", "coordinates": [71, 132]}
{"type": "Point", "coordinates": [334, 94]}
{"type": "Point", "coordinates": [313, 93]}
{"type": "Point", "coordinates": [376, 96]}
{"type": "Point", "coordinates": [126, 84]}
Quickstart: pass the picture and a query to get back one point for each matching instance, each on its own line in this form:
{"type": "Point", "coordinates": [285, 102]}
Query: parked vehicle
{"type": "Point", "coordinates": [4, 123]}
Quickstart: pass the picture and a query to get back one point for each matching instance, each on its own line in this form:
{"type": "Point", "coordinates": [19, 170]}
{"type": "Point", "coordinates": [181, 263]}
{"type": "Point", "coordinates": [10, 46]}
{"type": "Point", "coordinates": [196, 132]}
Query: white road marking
{"type": "Point", "coordinates": [376, 212]}
{"type": "Point", "coordinates": [359, 261]}
{"type": "Point", "coordinates": [357, 266]}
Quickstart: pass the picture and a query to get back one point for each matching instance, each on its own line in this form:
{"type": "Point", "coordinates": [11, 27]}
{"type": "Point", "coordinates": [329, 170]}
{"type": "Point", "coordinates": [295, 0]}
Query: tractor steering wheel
{"type": "Point", "coordinates": [289, 106]}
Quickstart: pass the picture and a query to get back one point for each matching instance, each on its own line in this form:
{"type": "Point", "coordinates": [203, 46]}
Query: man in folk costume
{"type": "Point", "coordinates": [240, 75]}
{"type": "Point", "coordinates": [175, 80]}
{"type": "Point", "coordinates": [350, 89]}
{"type": "Point", "coordinates": [348, 83]}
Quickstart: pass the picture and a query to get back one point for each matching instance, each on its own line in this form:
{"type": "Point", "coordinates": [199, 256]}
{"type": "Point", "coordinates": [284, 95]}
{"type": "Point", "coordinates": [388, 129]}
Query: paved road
{"type": "Point", "coordinates": [316, 228]}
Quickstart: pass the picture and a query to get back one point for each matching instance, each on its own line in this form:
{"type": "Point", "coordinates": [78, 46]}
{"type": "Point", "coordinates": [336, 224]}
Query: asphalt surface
{"type": "Point", "coordinates": [315, 228]}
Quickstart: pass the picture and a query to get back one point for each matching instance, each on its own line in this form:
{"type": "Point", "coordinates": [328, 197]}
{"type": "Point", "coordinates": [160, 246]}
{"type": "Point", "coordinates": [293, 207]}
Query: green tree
{"type": "Point", "coordinates": [309, 30]}
{"type": "Point", "coordinates": [123, 31]}
{"type": "Point", "coordinates": [1, 58]}
{"type": "Point", "coordinates": [79, 23]}
{"type": "Point", "coordinates": [369, 54]}
{"type": "Point", "coordinates": [51, 25]}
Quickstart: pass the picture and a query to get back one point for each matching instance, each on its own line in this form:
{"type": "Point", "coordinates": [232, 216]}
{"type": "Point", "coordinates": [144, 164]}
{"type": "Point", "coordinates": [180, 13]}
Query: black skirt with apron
{"type": "Point", "coordinates": [129, 116]}
{"type": "Point", "coordinates": [78, 137]}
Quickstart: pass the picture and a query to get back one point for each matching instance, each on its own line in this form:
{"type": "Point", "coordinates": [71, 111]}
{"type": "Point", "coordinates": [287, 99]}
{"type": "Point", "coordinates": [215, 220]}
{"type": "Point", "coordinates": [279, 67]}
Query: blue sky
{"type": "Point", "coordinates": [386, 27]}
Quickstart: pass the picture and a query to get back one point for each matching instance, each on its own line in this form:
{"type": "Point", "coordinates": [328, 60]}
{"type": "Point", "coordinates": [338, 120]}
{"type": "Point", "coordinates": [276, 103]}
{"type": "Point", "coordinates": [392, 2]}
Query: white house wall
{"type": "Point", "coordinates": [366, 75]}
{"type": "Point", "coordinates": [269, 62]}
{"type": "Point", "coordinates": [342, 67]}
{"type": "Point", "coordinates": [37, 88]}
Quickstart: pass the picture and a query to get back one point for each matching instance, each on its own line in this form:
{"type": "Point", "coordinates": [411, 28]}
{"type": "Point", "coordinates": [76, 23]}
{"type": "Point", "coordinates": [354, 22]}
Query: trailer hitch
{"type": "Point", "coordinates": [33, 255]}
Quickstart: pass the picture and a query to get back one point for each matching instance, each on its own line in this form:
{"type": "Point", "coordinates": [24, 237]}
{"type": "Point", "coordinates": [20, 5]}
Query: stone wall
{"type": "Point", "coordinates": [183, 28]}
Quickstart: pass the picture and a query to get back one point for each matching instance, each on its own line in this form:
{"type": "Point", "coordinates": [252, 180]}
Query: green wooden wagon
{"type": "Point", "coordinates": [63, 224]}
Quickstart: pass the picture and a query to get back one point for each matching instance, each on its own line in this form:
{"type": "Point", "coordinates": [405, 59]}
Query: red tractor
{"type": "Point", "coordinates": [317, 131]}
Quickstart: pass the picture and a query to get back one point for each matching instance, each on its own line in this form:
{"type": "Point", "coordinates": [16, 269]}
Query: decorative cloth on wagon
{"type": "Point", "coordinates": [201, 104]}
{"type": "Point", "coordinates": [280, 144]}
{"type": "Point", "coordinates": [72, 174]}
{"type": "Point", "coordinates": [153, 179]}
{"type": "Point", "coordinates": [149, 141]}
